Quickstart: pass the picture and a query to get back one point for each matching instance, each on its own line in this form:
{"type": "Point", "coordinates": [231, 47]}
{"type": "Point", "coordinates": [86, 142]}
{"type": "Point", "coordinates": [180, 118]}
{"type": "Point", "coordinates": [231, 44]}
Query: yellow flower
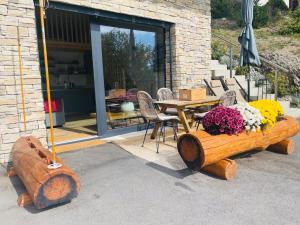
{"type": "Point", "coordinates": [269, 109]}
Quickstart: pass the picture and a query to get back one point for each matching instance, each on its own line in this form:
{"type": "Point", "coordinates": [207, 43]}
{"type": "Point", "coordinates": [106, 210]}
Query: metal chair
{"type": "Point", "coordinates": [233, 85]}
{"type": "Point", "coordinates": [149, 112]}
{"type": "Point", "coordinates": [166, 94]}
{"type": "Point", "coordinates": [228, 99]}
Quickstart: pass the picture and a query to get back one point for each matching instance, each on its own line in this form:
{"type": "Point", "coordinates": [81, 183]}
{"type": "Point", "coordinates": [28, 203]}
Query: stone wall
{"type": "Point", "coordinates": [13, 14]}
{"type": "Point", "coordinates": [191, 33]}
{"type": "Point", "coordinates": [191, 39]}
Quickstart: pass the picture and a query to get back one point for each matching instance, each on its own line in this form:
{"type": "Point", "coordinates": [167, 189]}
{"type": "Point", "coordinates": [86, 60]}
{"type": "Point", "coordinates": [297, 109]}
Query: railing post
{"type": "Point", "coordinates": [266, 88]}
{"type": "Point", "coordinates": [248, 83]}
{"type": "Point", "coordinates": [276, 84]}
{"type": "Point", "coordinates": [230, 53]}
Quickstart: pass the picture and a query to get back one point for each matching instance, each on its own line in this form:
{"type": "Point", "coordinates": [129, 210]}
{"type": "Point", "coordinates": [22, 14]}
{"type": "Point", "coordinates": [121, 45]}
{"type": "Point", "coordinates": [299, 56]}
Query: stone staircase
{"type": "Point", "coordinates": [220, 70]}
{"type": "Point", "coordinates": [255, 91]}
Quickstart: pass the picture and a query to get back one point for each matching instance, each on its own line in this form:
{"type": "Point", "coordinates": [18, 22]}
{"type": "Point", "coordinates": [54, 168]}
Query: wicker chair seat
{"type": "Point", "coordinates": [165, 117]}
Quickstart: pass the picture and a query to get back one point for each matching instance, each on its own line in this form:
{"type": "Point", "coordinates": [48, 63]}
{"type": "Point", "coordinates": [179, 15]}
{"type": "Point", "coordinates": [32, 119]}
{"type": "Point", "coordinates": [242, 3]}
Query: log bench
{"type": "Point", "coordinates": [203, 151]}
{"type": "Point", "coordinates": [45, 187]}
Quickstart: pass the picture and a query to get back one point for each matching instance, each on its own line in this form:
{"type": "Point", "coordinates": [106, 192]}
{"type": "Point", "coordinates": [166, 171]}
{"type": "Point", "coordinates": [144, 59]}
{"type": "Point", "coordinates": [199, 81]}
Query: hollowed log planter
{"type": "Point", "coordinates": [203, 151]}
{"type": "Point", "coordinates": [45, 187]}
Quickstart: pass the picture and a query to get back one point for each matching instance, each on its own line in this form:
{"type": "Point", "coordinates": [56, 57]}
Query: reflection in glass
{"type": "Point", "coordinates": [131, 62]}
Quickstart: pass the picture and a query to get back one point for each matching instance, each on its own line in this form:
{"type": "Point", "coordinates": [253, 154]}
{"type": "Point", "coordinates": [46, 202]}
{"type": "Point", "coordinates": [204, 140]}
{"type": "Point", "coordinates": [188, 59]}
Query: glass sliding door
{"type": "Point", "coordinates": [131, 62]}
{"type": "Point", "coordinates": [126, 59]}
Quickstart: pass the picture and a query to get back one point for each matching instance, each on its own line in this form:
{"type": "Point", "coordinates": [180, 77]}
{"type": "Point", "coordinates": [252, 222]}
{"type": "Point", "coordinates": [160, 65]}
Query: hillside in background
{"type": "Point", "coordinates": [268, 40]}
{"type": "Point", "coordinates": [277, 28]}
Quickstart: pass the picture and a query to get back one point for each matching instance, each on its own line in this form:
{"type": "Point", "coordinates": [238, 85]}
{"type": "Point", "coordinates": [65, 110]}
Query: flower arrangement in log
{"type": "Point", "coordinates": [251, 116]}
{"type": "Point", "coordinates": [270, 110]}
{"type": "Point", "coordinates": [223, 120]}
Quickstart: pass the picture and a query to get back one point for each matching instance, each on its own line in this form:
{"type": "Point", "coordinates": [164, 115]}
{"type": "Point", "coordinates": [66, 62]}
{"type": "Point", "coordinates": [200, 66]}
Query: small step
{"type": "Point", "coordinates": [218, 67]}
{"type": "Point", "coordinates": [79, 145]}
{"type": "Point", "coordinates": [295, 112]}
{"type": "Point", "coordinates": [217, 73]}
{"type": "Point", "coordinates": [214, 62]}
{"type": "Point", "coordinates": [253, 91]}
{"type": "Point", "coordinates": [244, 84]}
{"type": "Point", "coordinates": [285, 104]}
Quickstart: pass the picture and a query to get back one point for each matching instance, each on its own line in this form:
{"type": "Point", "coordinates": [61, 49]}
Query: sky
{"type": "Point", "coordinates": [263, 2]}
{"type": "Point", "coordinates": [148, 38]}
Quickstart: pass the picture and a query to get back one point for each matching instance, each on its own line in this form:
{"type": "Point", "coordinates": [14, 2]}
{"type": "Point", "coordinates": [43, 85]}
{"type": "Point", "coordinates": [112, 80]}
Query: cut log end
{"type": "Point", "coordinates": [284, 147]}
{"type": "Point", "coordinates": [58, 189]}
{"type": "Point", "coordinates": [190, 151]}
{"type": "Point", "coordinates": [225, 169]}
{"type": "Point", "coordinates": [24, 200]}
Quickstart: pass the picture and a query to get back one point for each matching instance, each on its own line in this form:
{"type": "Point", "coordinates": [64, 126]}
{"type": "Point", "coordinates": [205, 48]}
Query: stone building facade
{"type": "Point", "coordinates": [191, 47]}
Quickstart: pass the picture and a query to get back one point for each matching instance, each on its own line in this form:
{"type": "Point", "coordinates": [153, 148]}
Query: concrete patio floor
{"type": "Point", "coordinates": [120, 188]}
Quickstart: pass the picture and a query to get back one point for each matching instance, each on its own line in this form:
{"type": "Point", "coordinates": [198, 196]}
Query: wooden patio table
{"type": "Point", "coordinates": [181, 106]}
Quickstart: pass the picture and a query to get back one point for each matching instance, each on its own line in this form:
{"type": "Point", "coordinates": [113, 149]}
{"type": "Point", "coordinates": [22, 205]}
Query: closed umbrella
{"type": "Point", "coordinates": [249, 54]}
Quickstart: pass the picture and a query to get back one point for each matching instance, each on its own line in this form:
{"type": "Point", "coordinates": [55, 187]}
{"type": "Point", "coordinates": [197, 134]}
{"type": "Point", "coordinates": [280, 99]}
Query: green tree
{"type": "Point", "coordinates": [276, 8]}
{"type": "Point", "coordinates": [293, 24]}
{"type": "Point", "coordinates": [260, 16]}
{"type": "Point", "coordinates": [125, 61]}
{"type": "Point", "coordinates": [230, 9]}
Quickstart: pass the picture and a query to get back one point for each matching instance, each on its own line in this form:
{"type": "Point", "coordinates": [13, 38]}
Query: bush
{"type": "Point", "coordinates": [260, 16]}
{"type": "Point", "coordinates": [276, 8]}
{"type": "Point", "coordinates": [269, 12]}
{"type": "Point", "coordinates": [223, 120]}
{"type": "Point", "coordinates": [285, 85]}
{"type": "Point", "coordinates": [241, 70]}
{"type": "Point", "coordinates": [293, 24]}
{"type": "Point", "coordinates": [218, 50]}
{"type": "Point", "coordinates": [230, 9]}
{"type": "Point", "coordinates": [225, 59]}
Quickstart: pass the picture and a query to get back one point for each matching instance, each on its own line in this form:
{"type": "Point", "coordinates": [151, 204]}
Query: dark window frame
{"type": "Point", "coordinates": [106, 18]}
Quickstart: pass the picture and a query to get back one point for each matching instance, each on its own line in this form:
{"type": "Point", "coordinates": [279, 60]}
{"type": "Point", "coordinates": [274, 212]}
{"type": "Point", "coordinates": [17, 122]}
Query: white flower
{"type": "Point", "coordinates": [251, 116]}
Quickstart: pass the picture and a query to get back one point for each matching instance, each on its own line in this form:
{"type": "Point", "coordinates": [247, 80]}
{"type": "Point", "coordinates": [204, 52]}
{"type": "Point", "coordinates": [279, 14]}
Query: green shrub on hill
{"type": "Point", "coordinates": [293, 24]}
{"type": "Point", "coordinates": [260, 17]}
{"type": "Point", "coordinates": [231, 9]}
{"type": "Point", "coordinates": [285, 84]}
{"type": "Point", "coordinates": [241, 70]}
{"type": "Point", "coordinates": [218, 50]}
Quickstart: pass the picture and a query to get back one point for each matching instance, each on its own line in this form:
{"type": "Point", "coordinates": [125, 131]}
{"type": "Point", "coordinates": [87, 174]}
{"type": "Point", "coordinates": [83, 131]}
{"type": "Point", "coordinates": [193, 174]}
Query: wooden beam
{"type": "Point", "coordinates": [24, 200]}
{"type": "Point", "coordinates": [225, 169]}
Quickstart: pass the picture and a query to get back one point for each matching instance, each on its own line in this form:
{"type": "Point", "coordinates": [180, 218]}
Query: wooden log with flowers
{"type": "Point", "coordinates": [237, 129]}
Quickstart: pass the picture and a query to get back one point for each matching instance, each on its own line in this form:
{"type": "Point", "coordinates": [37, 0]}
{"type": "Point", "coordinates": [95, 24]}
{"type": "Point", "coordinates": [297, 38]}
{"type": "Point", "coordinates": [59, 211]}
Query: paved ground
{"type": "Point", "coordinates": [119, 188]}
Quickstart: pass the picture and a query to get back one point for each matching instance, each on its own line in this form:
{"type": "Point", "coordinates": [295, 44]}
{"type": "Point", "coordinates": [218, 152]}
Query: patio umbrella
{"type": "Point", "coordinates": [249, 54]}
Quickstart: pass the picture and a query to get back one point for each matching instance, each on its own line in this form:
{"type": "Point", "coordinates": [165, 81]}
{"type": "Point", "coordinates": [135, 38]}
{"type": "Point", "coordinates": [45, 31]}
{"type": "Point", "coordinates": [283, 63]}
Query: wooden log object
{"type": "Point", "coordinates": [284, 147]}
{"type": "Point", "coordinates": [24, 199]}
{"type": "Point", "coordinates": [45, 187]}
{"type": "Point", "coordinates": [225, 169]}
{"type": "Point", "coordinates": [199, 149]}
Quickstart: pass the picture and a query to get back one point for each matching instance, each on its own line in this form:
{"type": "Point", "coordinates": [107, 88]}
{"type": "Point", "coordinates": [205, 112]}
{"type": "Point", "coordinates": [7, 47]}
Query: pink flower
{"type": "Point", "coordinates": [223, 120]}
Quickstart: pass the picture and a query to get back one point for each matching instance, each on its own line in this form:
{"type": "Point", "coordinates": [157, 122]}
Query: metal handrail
{"type": "Point", "coordinates": [209, 87]}
{"type": "Point", "coordinates": [245, 94]}
{"type": "Point", "coordinates": [262, 58]}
